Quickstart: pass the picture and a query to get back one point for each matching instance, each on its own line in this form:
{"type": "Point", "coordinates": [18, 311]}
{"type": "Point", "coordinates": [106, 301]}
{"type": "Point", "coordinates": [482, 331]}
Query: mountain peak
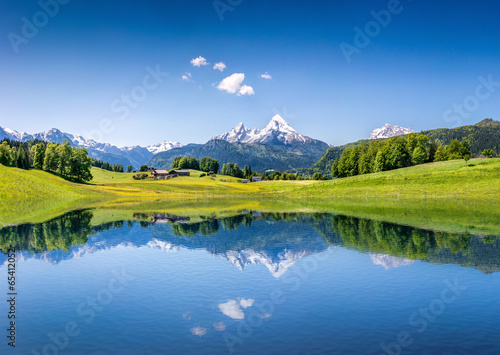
{"type": "Point", "coordinates": [388, 131]}
{"type": "Point", "coordinates": [278, 123]}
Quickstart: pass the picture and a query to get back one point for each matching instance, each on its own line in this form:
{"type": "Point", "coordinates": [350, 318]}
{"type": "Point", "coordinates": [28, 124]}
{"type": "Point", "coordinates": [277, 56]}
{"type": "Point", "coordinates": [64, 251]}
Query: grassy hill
{"type": "Point", "coordinates": [483, 135]}
{"type": "Point", "coordinates": [444, 195]}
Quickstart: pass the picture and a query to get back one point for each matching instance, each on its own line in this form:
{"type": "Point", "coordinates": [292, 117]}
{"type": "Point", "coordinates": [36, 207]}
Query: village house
{"type": "Point", "coordinates": [181, 172]}
{"type": "Point", "coordinates": [256, 178]}
{"type": "Point", "coordinates": [159, 174]}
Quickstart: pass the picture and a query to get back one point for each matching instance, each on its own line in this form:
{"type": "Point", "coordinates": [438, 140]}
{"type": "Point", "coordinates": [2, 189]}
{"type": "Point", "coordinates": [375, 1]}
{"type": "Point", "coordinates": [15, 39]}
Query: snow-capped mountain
{"type": "Point", "coordinates": [388, 131]}
{"type": "Point", "coordinates": [389, 261]}
{"type": "Point", "coordinates": [276, 264]}
{"type": "Point", "coordinates": [135, 155]}
{"type": "Point", "coordinates": [163, 147]}
{"type": "Point", "coordinates": [277, 131]}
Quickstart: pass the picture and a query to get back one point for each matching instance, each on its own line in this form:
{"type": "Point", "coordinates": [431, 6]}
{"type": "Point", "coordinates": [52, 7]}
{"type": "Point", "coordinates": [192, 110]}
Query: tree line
{"type": "Point", "coordinates": [118, 168]}
{"type": "Point", "coordinates": [395, 153]}
{"type": "Point", "coordinates": [69, 162]}
{"type": "Point", "coordinates": [206, 164]}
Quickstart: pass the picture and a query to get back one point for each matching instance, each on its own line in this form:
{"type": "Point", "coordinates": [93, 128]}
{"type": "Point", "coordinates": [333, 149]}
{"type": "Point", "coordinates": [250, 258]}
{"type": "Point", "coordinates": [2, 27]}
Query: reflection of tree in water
{"type": "Point", "coordinates": [397, 240]}
{"type": "Point", "coordinates": [73, 228]}
{"type": "Point", "coordinates": [355, 233]}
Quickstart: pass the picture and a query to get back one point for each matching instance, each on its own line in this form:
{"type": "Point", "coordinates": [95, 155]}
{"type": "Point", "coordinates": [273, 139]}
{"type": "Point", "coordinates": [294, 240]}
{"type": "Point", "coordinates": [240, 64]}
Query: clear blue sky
{"type": "Point", "coordinates": [427, 58]}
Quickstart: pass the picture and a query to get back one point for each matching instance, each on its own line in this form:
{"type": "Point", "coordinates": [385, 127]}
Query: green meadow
{"type": "Point", "coordinates": [447, 196]}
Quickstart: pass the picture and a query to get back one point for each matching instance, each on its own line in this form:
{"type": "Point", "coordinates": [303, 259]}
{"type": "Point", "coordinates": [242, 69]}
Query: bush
{"type": "Point", "coordinates": [202, 175]}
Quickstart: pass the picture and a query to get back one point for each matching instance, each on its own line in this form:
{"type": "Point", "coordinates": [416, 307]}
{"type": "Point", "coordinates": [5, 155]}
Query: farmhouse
{"type": "Point", "coordinates": [256, 178]}
{"type": "Point", "coordinates": [181, 172]}
{"type": "Point", "coordinates": [159, 174]}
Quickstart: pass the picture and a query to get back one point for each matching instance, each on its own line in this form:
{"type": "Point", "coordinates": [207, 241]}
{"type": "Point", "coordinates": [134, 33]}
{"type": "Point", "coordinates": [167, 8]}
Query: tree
{"type": "Point", "coordinates": [129, 168]}
{"type": "Point", "coordinates": [318, 176]}
{"type": "Point", "coordinates": [379, 164]}
{"type": "Point", "coordinates": [39, 156]}
{"type": "Point", "coordinates": [419, 156]}
{"type": "Point", "coordinates": [454, 150]}
{"type": "Point", "coordinates": [63, 154]}
{"type": "Point", "coordinates": [5, 154]}
{"type": "Point", "coordinates": [488, 153]}
{"type": "Point", "coordinates": [335, 168]}
{"type": "Point", "coordinates": [209, 164]}
{"type": "Point", "coordinates": [143, 168]}
{"type": "Point", "coordinates": [50, 162]}
{"type": "Point", "coordinates": [441, 153]}
{"type": "Point", "coordinates": [79, 165]}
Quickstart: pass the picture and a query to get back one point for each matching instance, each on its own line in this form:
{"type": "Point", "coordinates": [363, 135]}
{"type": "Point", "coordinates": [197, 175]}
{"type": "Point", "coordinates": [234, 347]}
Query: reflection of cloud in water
{"type": "Point", "coordinates": [389, 261]}
{"type": "Point", "coordinates": [233, 308]}
{"type": "Point", "coordinates": [199, 331]}
{"type": "Point", "coordinates": [220, 326]}
{"type": "Point", "coordinates": [245, 303]}
{"type": "Point", "coordinates": [186, 315]}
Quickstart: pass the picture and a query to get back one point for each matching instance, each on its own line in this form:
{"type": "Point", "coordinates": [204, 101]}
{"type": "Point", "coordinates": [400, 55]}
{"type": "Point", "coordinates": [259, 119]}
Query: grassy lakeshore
{"type": "Point", "coordinates": [444, 195]}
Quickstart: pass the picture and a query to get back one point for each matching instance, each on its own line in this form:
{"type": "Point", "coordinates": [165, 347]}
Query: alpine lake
{"type": "Point", "coordinates": [252, 283]}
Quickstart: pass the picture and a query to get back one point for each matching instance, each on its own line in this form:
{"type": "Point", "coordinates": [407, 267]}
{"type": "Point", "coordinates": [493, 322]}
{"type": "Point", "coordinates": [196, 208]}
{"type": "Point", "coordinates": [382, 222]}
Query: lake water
{"type": "Point", "coordinates": [250, 284]}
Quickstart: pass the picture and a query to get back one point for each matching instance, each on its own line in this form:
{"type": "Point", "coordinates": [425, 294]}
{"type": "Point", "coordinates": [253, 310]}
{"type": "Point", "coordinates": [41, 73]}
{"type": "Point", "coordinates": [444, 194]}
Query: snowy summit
{"type": "Point", "coordinates": [277, 130]}
{"type": "Point", "coordinates": [389, 131]}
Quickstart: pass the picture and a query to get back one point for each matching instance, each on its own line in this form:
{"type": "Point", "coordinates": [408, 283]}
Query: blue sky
{"type": "Point", "coordinates": [412, 70]}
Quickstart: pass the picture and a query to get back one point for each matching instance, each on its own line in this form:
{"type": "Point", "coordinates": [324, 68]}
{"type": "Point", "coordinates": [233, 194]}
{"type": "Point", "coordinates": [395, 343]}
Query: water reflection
{"type": "Point", "coordinates": [276, 240]}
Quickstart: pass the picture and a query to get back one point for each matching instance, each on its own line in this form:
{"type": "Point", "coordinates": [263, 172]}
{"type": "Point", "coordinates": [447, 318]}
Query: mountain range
{"type": "Point", "coordinates": [278, 146]}
{"type": "Point", "coordinates": [134, 155]}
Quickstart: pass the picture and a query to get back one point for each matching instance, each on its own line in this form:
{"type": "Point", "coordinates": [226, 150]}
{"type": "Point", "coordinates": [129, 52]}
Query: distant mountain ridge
{"type": "Point", "coordinates": [135, 155]}
{"type": "Point", "coordinates": [278, 146]}
{"type": "Point", "coordinates": [388, 131]}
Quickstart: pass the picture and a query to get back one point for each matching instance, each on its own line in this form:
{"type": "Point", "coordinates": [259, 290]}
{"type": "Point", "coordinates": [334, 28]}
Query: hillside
{"type": "Point", "coordinates": [259, 156]}
{"type": "Point", "coordinates": [483, 135]}
{"type": "Point", "coordinates": [444, 195]}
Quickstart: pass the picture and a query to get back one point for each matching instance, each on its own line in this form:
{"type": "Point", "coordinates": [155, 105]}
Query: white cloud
{"type": "Point", "coordinates": [220, 327]}
{"type": "Point", "coordinates": [266, 76]}
{"type": "Point", "coordinates": [232, 83]}
{"type": "Point", "coordinates": [246, 90]}
{"type": "Point", "coordinates": [186, 77]}
{"type": "Point", "coordinates": [198, 62]}
{"type": "Point", "coordinates": [233, 308]}
{"type": "Point", "coordinates": [219, 66]}
{"type": "Point", "coordinates": [199, 331]}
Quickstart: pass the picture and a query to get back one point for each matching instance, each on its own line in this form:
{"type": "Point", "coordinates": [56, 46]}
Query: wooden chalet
{"type": "Point", "coordinates": [181, 172]}
{"type": "Point", "coordinates": [160, 174]}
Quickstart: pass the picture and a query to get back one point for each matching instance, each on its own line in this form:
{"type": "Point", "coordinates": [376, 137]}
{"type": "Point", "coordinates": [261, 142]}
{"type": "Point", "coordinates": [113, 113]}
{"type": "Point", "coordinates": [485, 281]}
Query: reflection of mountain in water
{"type": "Point", "coordinates": [389, 261]}
{"type": "Point", "coordinates": [275, 240]}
